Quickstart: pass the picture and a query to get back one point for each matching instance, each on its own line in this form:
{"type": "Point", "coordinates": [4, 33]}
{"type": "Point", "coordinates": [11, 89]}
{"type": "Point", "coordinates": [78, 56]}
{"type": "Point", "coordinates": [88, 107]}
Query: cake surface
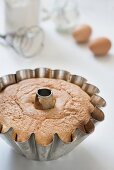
{"type": "Point", "coordinates": [72, 110]}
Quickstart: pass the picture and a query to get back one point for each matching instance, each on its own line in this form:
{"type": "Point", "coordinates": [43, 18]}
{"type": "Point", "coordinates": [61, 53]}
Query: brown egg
{"type": "Point", "coordinates": [82, 33]}
{"type": "Point", "coordinates": [100, 46]}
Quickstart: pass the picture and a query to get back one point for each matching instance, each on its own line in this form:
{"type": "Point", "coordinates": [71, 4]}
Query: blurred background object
{"type": "Point", "coordinates": [21, 13]}
{"type": "Point", "coordinates": [82, 33]}
{"type": "Point", "coordinates": [64, 13]}
{"type": "Point", "coordinates": [23, 32]}
{"type": "Point", "coordinates": [100, 46]}
{"type": "Point", "coordinates": [26, 41]}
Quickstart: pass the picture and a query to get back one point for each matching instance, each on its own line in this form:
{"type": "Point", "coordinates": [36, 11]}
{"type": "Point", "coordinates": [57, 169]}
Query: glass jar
{"type": "Point", "coordinates": [66, 15]}
{"type": "Point", "coordinates": [21, 13]}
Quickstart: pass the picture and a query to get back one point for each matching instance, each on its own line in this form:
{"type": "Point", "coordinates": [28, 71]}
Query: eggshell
{"type": "Point", "coordinates": [82, 33]}
{"type": "Point", "coordinates": [100, 46]}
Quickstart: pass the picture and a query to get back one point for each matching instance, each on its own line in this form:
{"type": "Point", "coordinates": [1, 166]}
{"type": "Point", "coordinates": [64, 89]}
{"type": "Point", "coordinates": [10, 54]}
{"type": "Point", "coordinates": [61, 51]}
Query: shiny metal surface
{"type": "Point", "coordinates": [8, 80]}
{"type": "Point", "coordinates": [98, 114]}
{"type": "Point", "coordinates": [43, 152]}
{"type": "Point", "coordinates": [61, 74]}
{"type": "Point", "coordinates": [43, 73]}
{"type": "Point", "coordinates": [89, 127]}
{"type": "Point", "coordinates": [98, 101]}
{"type": "Point", "coordinates": [24, 74]}
{"type": "Point", "coordinates": [90, 89]}
{"type": "Point", "coordinates": [28, 148]}
{"type": "Point", "coordinates": [44, 99]}
{"type": "Point", "coordinates": [1, 86]}
{"type": "Point", "coordinates": [57, 148]}
{"type": "Point", "coordinates": [78, 80]}
{"type": "Point", "coordinates": [7, 136]}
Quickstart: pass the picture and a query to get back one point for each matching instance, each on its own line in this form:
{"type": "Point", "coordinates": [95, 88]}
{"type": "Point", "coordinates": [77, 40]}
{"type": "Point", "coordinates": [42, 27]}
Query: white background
{"type": "Point", "coordinates": [60, 51]}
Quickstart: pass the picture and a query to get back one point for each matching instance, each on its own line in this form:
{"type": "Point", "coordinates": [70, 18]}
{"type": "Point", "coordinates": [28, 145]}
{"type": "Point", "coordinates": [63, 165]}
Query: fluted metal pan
{"type": "Point", "coordinates": [57, 148]}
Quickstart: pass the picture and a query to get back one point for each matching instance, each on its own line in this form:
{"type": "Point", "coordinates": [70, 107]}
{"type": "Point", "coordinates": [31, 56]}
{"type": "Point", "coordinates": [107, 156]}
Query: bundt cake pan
{"type": "Point", "coordinates": [57, 148]}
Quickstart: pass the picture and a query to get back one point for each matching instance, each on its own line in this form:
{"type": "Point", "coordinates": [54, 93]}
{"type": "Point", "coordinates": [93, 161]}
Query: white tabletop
{"type": "Point", "coordinates": [60, 51]}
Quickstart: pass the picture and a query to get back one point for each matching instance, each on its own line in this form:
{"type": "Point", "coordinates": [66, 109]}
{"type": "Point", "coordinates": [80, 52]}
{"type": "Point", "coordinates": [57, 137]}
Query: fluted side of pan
{"type": "Point", "coordinates": [57, 148]}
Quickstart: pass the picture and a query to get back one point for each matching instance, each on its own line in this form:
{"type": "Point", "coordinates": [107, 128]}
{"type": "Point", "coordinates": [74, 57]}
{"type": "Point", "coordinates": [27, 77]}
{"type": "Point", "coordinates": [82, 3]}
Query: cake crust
{"type": "Point", "coordinates": [72, 110]}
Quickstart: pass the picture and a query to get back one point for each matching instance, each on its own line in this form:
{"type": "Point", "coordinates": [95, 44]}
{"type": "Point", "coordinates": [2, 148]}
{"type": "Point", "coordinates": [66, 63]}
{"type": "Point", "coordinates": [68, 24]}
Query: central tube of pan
{"type": "Point", "coordinates": [44, 99]}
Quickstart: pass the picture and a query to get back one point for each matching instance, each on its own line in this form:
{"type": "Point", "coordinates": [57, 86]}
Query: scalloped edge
{"type": "Point", "coordinates": [67, 76]}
